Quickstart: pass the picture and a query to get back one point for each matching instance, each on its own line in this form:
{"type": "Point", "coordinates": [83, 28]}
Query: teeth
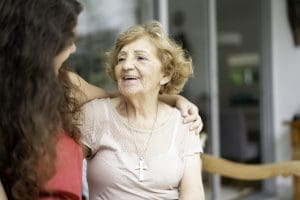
{"type": "Point", "coordinates": [130, 77]}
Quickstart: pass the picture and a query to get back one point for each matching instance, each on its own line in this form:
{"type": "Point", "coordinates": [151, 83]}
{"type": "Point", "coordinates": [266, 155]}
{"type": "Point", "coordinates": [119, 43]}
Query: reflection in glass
{"type": "Point", "coordinates": [98, 26]}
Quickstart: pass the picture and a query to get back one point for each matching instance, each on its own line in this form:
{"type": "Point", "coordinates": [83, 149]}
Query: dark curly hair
{"type": "Point", "coordinates": [35, 102]}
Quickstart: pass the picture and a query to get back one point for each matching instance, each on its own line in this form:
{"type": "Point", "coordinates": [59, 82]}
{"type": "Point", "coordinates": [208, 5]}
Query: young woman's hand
{"type": "Point", "coordinates": [190, 113]}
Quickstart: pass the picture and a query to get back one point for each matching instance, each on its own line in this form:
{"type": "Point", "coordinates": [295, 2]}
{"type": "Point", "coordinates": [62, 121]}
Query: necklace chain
{"type": "Point", "coordinates": [141, 154]}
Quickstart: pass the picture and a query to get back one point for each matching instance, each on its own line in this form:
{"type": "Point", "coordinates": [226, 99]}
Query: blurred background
{"type": "Point", "coordinates": [247, 67]}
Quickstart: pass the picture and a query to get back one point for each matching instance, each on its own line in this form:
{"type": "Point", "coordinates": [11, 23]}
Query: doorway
{"type": "Point", "coordinates": [243, 81]}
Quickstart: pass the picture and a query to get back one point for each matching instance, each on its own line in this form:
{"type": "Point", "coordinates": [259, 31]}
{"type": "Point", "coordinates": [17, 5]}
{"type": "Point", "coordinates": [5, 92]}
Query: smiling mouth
{"type": "Point", "coordinates": [126, 78]}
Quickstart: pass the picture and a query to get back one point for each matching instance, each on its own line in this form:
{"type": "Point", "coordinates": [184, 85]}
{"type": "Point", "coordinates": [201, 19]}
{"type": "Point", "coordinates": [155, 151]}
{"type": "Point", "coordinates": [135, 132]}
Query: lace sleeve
{"type": "Point", "coordinates": [87, 125]}
{"type": "Point", "coordinates": [93, 123]}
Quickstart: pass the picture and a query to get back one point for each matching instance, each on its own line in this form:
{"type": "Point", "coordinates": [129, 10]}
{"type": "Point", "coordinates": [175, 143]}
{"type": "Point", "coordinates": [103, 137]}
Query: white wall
{"type": "Point", "coordinates": [286, 77]}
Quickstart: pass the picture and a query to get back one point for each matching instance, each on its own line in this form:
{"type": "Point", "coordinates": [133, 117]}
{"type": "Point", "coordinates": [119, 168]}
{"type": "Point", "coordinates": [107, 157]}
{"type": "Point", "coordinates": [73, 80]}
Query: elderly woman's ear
{"type": "Point", "coordinates": [166, 78]}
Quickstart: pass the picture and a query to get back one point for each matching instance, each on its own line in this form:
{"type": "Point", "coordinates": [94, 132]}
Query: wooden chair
{"type": "Point", "coordinates": [250, 172]}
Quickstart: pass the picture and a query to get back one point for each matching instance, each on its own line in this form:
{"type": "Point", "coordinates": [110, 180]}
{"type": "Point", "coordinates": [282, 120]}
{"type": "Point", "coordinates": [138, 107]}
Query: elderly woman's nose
{"type": "Point", "coordinates": [128, 64]}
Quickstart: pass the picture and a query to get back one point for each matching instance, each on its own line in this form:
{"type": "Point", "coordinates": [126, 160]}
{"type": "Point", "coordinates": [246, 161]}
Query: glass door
{"type": "Point", "coordinates": [98, 26]}
{"type": "Point", "coordinates": [225, 40]}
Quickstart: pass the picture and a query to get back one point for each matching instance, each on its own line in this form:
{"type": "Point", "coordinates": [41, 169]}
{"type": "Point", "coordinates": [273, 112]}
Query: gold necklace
{"type": "Point", "coordinates": [141, 154]}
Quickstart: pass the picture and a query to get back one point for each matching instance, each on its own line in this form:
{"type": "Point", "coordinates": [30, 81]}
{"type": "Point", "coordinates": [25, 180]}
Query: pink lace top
{"type": "Point", "coordinates": [113, 169]}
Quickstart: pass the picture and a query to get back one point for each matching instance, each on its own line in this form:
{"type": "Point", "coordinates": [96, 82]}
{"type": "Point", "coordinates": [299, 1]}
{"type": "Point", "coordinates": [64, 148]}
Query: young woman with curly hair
{"type": "Point", "coordinates": [36, 108]}
{"type": "Point", "coordinates": [40, 152]}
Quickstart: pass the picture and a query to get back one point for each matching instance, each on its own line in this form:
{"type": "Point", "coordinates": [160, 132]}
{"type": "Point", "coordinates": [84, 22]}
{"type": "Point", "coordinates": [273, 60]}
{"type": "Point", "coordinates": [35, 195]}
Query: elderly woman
{"type": "Point", "coordinates": [137, 146]}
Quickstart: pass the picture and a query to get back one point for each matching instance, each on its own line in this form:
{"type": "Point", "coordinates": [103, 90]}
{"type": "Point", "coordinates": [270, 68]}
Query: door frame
{"type": "Point", "coordinates": [266, 93]}
{"type": "Point", "coordinates": [266, 86]}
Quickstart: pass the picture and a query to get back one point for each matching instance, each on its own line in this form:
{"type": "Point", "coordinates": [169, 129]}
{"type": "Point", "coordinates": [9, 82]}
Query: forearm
{"type": "Point", "coordinates": [86, 91]}
{"type": "Point", "coordinates": [170, 99]}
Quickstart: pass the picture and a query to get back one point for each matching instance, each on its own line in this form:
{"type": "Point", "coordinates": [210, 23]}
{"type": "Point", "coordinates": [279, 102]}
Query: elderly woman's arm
{"type": "Point", "coordinates": [191, 187]}
{"type": "Point", "coordinates": [2, 192]}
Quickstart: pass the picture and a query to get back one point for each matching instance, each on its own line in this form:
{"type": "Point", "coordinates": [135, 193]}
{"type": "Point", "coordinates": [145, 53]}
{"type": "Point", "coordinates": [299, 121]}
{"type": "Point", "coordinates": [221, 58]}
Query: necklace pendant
{"type": "Point", "coordinates": [141, 168]}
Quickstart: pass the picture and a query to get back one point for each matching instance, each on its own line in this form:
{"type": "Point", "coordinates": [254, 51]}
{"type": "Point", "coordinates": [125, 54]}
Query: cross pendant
{"type": "Point", "coordinates": [141, 168]}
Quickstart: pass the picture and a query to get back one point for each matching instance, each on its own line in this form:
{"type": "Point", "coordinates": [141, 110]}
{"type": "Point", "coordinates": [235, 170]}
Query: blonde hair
{"type": "Point", "coordinates": [174, 59]}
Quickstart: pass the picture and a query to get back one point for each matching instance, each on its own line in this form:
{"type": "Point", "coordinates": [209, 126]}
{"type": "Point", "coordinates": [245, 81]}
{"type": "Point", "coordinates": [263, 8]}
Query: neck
{"type": "Point", "coordinates": [141, 113]}
{"type": "Point", "coordinates": [145, 108]}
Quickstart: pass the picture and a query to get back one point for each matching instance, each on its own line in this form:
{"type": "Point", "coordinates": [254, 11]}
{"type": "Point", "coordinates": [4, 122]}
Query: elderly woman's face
{"type": "Point", "coordinates": [139, 69]}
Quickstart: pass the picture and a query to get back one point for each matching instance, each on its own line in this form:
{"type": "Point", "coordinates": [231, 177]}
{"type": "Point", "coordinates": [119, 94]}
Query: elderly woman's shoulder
{"type": "Point", "coordinates": [176, 118]}
{"type": "Point", "coordinates": [171, 113]}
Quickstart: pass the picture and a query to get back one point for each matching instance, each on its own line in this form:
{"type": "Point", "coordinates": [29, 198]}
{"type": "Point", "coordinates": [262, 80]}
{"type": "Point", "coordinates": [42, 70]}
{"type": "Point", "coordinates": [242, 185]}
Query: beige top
{"type": "Point", "coordinates": [113, 169]}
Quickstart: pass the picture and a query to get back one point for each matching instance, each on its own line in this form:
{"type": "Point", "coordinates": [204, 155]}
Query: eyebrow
{"type": "Point", "coordinates": [141, 51]}
{"type": "Point", "coordinates": [136, 51]}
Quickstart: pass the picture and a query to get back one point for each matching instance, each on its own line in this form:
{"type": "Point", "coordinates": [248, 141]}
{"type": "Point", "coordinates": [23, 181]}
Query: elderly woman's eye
{"type": "Point", "coordinates": [121, 59]}
{"type": "Point", "coordinates": [142, 58]}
